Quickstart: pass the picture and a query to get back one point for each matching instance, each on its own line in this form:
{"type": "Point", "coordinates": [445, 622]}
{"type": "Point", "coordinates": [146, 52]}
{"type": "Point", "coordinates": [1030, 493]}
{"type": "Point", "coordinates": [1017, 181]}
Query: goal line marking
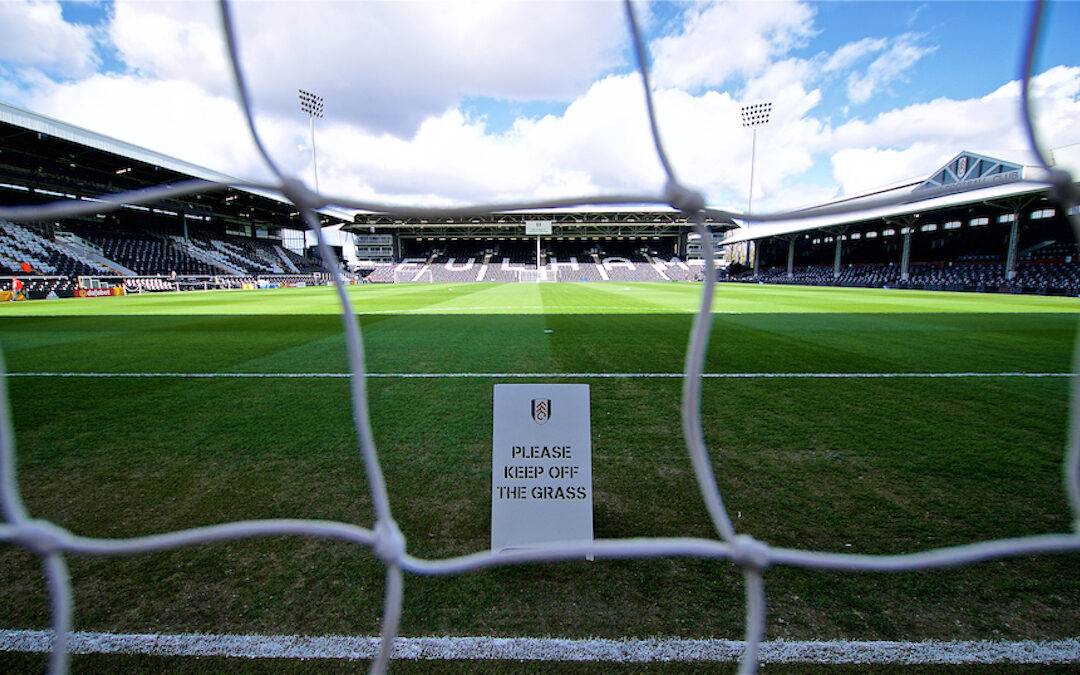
{"type": "Point", "coordinates": [435, 376]}
{"type": "Point", "coordinates": [553, 649]}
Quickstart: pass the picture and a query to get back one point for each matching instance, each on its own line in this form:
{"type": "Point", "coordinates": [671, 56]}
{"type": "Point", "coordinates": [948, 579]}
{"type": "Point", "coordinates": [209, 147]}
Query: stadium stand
{"type": "Point", "coordinates": [583, 267]}
{"type": "Point", "coordinates": [53, 260]}
{"type": "Point", "coordinates": [235, 239]}
{"type": "Point", "coordinates": [1041, 278]}
{"type": "Point", "coordinates": [145, 251]}
{"type": "Point", "coordinates": [21, 244]}
{"type": "Point", "coordinates": [297, 263]}
{"type": "Point", "coordinates": [966, 247]}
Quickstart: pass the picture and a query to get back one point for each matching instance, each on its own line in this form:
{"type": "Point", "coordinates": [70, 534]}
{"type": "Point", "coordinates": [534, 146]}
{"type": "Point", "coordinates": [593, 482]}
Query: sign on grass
{"type": "Point", "coordinates": [541, 465]}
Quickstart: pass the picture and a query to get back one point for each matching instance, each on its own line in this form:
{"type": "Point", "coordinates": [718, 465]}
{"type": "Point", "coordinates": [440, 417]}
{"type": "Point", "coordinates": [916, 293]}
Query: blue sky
{"type": "Point", "coordinates": [450, 103]}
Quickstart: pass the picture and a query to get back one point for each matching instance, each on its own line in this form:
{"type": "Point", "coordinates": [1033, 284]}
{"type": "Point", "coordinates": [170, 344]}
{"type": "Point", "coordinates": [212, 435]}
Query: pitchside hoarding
{"type": "Point", "coordinates": [541, 468]}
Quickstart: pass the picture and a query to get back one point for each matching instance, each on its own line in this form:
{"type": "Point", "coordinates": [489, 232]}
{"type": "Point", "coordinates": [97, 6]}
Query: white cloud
{"type": "Point", "coordinates": [784, 84]}
{"type": "Point", "coordinates": [35, 34]}
{"type": "Point", "coordinates": [394, 73]}
{"type": "Point", "coordinates": [861, 170]}
{"type": "Point", "coordinates": [389, 65]}
{"type": "Point", "coordinates": [172, 117]}
{"type": "Point", "coordinates": [890, 66]}
{"type": "Point", "coordinates": [1057, 122]}
{"type": "Point", "coordinates": [849, 54]}
{"type": "Point", "coordinates": [384, 65]}
{"type": "Point", "coordinates": [913, 141]}
{"type": "Point", "coordinates": [601, 143]}
{"type": "Point", "coordinates": [172, 41]}
{"type": "Point", "coordinates": [724, 40]}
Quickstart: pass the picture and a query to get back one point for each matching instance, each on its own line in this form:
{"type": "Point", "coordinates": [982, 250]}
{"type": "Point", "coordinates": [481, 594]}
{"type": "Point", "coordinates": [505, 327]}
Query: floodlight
{"type": "Point", "coordinates": [312, 104]}
{"type": "Point", "coordinates": [754, 116]}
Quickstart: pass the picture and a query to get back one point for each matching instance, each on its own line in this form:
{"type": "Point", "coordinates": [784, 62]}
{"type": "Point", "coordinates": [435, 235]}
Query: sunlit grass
{"type": "Point", "coordinates": [871, 466]}
{"type": "Point", "coordinates": [546, 299]}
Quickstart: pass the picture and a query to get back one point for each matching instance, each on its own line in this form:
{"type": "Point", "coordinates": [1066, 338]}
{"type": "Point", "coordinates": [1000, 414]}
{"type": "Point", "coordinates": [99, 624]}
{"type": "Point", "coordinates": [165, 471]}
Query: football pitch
{"type": "Point", "coordinates": [844, 420]}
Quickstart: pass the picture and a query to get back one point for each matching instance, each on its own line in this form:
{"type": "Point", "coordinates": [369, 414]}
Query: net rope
{"type": "Point", "coordinates": [53, 543]}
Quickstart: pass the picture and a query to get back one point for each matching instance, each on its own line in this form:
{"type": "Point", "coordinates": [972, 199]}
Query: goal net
{"type": "Point", "coordinates": [532, 276]}
{"type": "Point", "coordinates": [54, 545]}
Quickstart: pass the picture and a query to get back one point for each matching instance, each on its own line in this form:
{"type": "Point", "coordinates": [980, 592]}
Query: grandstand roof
{"type": "Point", "coordinates": [967, 179]}
{"type": "Point", "coordinates": [596, 222]}
{"type": "Point", "coordinates": [44, 159]}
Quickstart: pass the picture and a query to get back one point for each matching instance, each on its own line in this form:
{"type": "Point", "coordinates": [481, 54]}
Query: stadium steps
{"type": "Point", "coordinates": [285, 259]}
{"type": "Point", "coordinates": [249, 258]}
{"type": "Point", "coordinates": [196, 252]}
{"type": "Point", "coordinates": [600, 267]}
{"type": "Point", "coordinates": [87, 253]}
{"type": "Point", "coordinates": [259, 254]}
{"type": "Point", "coordinates": [658, 266]}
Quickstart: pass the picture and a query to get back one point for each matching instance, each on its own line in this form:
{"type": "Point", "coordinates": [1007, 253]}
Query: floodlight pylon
{"type": "Point", "coordinates": [754, 116]}
{"type": "Point", "coordinates": [312, 104]}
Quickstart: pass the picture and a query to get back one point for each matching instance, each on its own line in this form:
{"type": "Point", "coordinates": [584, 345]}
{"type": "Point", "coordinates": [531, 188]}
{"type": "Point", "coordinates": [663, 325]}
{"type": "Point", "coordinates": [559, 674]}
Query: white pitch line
{"type": "Point", "coordinates": [538, 310]}
{"type": "Point", "coordinates": [732, 376]}
{"type": "Point", "coordinates": [554, 649]}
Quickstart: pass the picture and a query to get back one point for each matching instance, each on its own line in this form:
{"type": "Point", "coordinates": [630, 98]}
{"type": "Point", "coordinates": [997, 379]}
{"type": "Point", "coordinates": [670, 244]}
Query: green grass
{"type": "Point", "coordinates": [546, 299]}
{"type": "Point", "coordinates": [871, 466]}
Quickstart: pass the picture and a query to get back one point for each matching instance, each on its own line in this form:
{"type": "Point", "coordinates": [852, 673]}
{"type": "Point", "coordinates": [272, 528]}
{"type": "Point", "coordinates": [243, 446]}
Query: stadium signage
{"type": "Point", "coordinates": [98, 292]}
{"type": "Point", "coordinates": [538, 227]}
{"type": "Point", "coordinates": [927, 190]}
{"type": "Point", "coordinates": [541, 467]}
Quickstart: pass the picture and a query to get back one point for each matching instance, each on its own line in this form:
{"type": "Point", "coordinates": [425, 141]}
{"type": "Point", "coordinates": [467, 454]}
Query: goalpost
{"type": "Point", "coordinates": [538, 229]}
{"type": "Point", "coordinates": [540, 276]}
{"type": "Point", "coordinates": [53, 544]}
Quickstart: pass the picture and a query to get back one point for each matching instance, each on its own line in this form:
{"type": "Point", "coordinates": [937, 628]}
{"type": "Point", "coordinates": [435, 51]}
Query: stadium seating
{"type": "Point", "coordinates": [1057, 278]}
{"type": "Point", "coordinates": [22, 244]}
{"type": "Point", "coordinates": [143, 259]}
{"type": "Point", "coordinates": [153, 285]}
{"type": "Point", "coordinates": [153, 261]}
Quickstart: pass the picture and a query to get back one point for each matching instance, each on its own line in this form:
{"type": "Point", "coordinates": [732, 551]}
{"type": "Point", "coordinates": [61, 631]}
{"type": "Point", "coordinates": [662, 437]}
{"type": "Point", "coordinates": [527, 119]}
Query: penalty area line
{"type": "Point", "coordinates": [435, 376]}
{"type": "Point", "coordinates": [553, 649]}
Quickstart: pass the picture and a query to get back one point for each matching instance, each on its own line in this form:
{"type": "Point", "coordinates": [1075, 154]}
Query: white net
{"type": "Point", "coordinates": [532, 276]}
{"type": "Point", "coordinates": [53, 544]}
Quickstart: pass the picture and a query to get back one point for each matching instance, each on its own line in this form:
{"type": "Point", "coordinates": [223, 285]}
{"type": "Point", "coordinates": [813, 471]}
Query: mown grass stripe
{"type": "Point", "coordinates": [555, 649]}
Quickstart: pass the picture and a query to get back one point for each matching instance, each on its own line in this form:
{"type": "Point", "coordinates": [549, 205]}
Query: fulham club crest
{"type": "Point", "coordinates": [961, 168]}
{"type": "Point", "coordinates": [541, 410]}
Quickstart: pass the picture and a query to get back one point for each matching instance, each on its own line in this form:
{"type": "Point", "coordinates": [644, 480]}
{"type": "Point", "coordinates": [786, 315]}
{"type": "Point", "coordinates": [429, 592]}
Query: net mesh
{"type": "Point", "coordinates": [53, 544]}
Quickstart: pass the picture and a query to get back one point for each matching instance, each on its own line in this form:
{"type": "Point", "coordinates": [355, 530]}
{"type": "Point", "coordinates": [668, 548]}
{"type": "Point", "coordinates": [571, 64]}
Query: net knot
{"type": "Point", "coordinates": [299, 194]}
{"type": "Point", "coordinates": [40, 536]}
{"type": "Point", "coordinates": [682, 198]}
{"type": "Point", "coordinates": [389, 542]}
{"type": "Point", "coordinates": [749, 552]}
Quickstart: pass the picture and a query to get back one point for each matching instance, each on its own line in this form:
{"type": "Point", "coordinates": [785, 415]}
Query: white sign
{"type": "Point", "coordinates": [541, 466]}
{"type": "Point", "coordinates": [537, 227]}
